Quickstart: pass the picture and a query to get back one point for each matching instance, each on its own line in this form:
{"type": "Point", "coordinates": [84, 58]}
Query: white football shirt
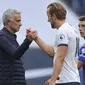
{"type": "Point", "coordinates": [66, 36]}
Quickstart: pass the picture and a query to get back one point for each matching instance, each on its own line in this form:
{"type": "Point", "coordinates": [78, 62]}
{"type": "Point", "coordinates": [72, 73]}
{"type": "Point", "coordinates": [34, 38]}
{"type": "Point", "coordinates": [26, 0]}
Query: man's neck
{"type": "Point", "coordinates": [8, 28]}
{"type": "Point", "coordinates": [60, 23]}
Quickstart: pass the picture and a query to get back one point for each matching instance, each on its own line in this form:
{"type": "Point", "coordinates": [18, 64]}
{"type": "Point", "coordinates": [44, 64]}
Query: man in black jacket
{"type": "Point", "coordinates": [11, 66]}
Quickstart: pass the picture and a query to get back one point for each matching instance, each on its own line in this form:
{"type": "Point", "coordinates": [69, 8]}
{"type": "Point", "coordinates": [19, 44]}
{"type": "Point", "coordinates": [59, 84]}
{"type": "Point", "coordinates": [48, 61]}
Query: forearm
{"type": "Point", "coordinates": [57, 69]}
{"type": "Point", "coordinates": [46, 48]}
{"type": "Point", "coordinates": [20, 51]}
{"type": "Point", "coordinates": [58, 64]}
{"type": "Point", "coordinates": [14, 50]}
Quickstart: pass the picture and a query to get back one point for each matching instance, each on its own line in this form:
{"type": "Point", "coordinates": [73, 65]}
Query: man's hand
{"type": "Point", "coordinates": [31, 34]}
{"type": "Point", "coordinates": [50, 82]}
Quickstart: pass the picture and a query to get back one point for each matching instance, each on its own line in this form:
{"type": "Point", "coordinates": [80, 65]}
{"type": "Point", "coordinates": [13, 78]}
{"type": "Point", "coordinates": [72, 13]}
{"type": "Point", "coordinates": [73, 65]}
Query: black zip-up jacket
{"type": "Point", "coordinates": [11, 66]}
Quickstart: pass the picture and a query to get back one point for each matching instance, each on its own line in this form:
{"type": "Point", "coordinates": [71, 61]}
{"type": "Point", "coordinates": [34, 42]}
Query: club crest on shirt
{"type": "Point", "coordinates": [83, 50]}
{"type": "Point", "coordinates": [61, 37]}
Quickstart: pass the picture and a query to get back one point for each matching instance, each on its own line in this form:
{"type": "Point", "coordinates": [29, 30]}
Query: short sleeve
{"type": "Point", "coordinates": [62, 39]}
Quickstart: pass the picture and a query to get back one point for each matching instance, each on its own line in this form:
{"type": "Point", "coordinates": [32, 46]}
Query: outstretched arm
{"type": "Point", "coordinates": [11, 49]}
{"type": "Point", "coordinates": [46, 48]}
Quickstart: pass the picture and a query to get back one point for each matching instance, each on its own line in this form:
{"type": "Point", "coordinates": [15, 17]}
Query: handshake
{"type": "Point", "coordinates": [31, 34]}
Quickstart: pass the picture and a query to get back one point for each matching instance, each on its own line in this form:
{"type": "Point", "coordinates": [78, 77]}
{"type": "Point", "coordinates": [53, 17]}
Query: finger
{"type": "Point", "coordinates": [34, 31]}
{"type": "Point", "coordinates": [29, 29]}
{"type": "Point", "coordinates": [46, 83]}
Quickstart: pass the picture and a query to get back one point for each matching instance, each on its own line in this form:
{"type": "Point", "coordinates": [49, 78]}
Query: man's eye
{"type": "Point", "coordinates": [81, 25]}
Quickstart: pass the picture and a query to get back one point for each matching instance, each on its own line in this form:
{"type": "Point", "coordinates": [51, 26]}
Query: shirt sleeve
{"type": "Point", "coordinates": [12, 50]}
{"type": "Point", "coordinates": [82, 54]}
{"type": "Point", "coordinates": [62, 39]}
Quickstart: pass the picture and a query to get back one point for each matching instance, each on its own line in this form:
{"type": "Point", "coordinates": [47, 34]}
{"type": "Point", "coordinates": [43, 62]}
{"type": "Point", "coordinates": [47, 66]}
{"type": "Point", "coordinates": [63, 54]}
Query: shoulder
{"type": "Point", "coordinates": [2, 33]}
{"type": "Point", "coordinates": [61, 35]}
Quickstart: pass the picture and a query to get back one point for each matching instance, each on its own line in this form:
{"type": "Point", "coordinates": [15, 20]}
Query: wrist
{"type": "Point", "coordinates": [54, 79]}
{"type": "Point", "coordinates": [35, 38]}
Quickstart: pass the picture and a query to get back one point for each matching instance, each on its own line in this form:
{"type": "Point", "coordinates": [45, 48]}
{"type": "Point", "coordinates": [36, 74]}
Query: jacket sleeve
{"type": "Point", "coordinates": [13, 51]}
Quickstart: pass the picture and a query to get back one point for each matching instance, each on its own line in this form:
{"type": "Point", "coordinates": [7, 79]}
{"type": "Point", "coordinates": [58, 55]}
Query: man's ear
{"type": "Point", "coordinates": [54, 16]}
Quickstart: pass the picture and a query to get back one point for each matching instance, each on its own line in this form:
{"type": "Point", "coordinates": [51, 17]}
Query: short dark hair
{"type": "Point", "coordinates": [82, 18]}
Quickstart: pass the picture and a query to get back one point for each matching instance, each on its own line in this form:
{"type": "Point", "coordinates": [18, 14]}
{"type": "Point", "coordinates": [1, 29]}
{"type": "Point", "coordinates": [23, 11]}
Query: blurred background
{"type": "Point", "coordinates": [38, 66]}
